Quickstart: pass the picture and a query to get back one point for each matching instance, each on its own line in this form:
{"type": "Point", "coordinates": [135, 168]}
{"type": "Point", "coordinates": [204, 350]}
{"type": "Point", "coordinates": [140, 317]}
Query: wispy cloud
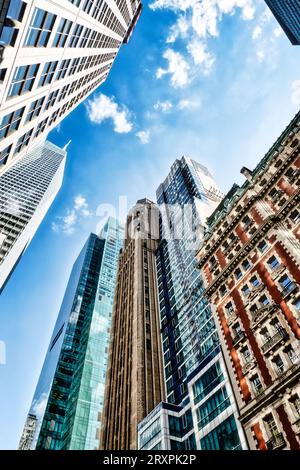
{"type": "Point", "coordinates": [67, 223]}
{"type": "Point", "coordinates": [196, 22]}
{"type": "Point", "coordinates": [102, 108]}
{"type": "Point", "coordinates": [177, 68]}
{"type": "Point", "coordinates": [163, 106]}
{"type": "Point", "coordinates": [144, 136]}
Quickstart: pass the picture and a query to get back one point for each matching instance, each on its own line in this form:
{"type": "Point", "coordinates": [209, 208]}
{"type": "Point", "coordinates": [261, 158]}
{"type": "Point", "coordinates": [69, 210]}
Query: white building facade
{"type": "Point", "coordinates": [53, 55]}
{"type": "Point", "coordinates": [27, 190]}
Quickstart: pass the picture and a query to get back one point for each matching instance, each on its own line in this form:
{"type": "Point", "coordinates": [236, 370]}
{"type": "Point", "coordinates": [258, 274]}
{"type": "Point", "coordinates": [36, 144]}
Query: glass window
{"type": "Point", "coordinates": [256, 384]}
{"type": "Point", "coordinates": [48, 73]}
{"type": "Point", "coordinates": [212, 407]}
{"type": "Point", "coordinates": [10, 123]}
{"type": "Point", "coordinates": [40, 28]}
{"type": "Point", "coordinates": [63, 32]}
{"type": "Point", "coordinates": [4, 154]}
{"type": "Point", "coordinates": [23, 79]}
{"type": "Point", "coordinates": [246, 265]}
{"type": "Point", "coordinates": [264, 300]}
{"type": "Point", "coordinates": [262, 246]}
{"type": "Point", "coordinates": [255, 281]}
{"type": "Point", "coordinates": [273, 262]}
{"type": "Point", "coordinates": [207, 382]}
{"type": "Point", "coordinates": [23, 141]}
{"type": "Point", "coordinates": [223, 437]}
{"type": "Point", "coordinates": [238, 274]}
{"type": "Point", "coordinates": [35, 109]}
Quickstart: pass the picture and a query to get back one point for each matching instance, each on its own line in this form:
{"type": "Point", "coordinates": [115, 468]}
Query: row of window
{"type": "Point", "coordinates": [42, 24]}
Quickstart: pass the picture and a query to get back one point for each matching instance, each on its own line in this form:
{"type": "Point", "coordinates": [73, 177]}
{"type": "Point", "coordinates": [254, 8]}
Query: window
{"type": "Point", "coordinates": [295, 400]}
{"type": "Point", "coordinates": [246, 265]}
{"type": "Point", "coordinates": [229, 308]}
{"type": "Point", "coordinates": [76, 35]}
{"type": "Point", "coordinates": [255, 281]}
{"type": "Point", "coordinates": [212, 407]}
{"type": "Point", "coordinates": [4, 154]}
{"type": "Point", "coordinates": [63, 68]}
{"type": "Point", "coordinates": [264, 300]}
{"type": "Point", "coordinates": [286, 283]}
{"type": "Point", "coordinates": [238, 274]}
{"type": "Point", "coordinates": [291, 354]}
{"type": "Point", "coordinates": [40, 28]}
{"type": "Point", "coordinates": [224, 437]}
{"type": "Point", "coordinates": [247, 221]}
{"type": "Point", "coordinates": [262, 246]}
{"type": "Point", "coordinates": [273, 262]}
{"type": "Point", "coordinates": [35, 109]}
{"type": "Point", "coordinates": [207, 382]}
{"type": "Point", "coordinates": [246, 354]}
{"type": "Point", "coordinates": [223, 290]}
{"type": "Point", "coordinates": [270, 425]}
{"type": "Point", "coordinates": [41, 127]}
{"type": "Point", "coordinates": [278, 364]}
{"type": "Point", "coordinates": [52, 99]}
{"type": "Point", "coordinates": [10, 123]}
{"type": "Point", "coordinates": [63, 32]}
{"type": "Point", "coordinates": [295, 216]}
{"type": "Point", "coordinates": [23, 141]}
{"type": "Point", "coordinates": [48, 73]}
{"type": "Point", "coordinates": [256, 384]}
{"type": "Point", "coordinates": [245, 290]}
{"type": "Point", "coordinates": [23, 80]}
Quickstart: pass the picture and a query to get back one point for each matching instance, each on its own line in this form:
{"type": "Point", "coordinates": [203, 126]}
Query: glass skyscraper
{"type": "Point", "coordinates": [69, 396]}
{"type": "Point", "coordinates": [200, 412]}
{"type": "Point", "coordinates": [27, 191]}
{"type": "Point", "coordinates": [287, 13]}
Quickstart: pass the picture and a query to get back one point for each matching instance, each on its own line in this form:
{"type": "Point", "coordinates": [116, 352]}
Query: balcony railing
{"type": "Point", "coordinates": [270, 343]}
{"type": "Point", "coordinates": [289, 289]}
{"type": "Point", "coordinates": [238, 337]}
{"type": "Point", "coordinates": [231, 317]}
{"type": "Point", "coordinates": [276, 442]}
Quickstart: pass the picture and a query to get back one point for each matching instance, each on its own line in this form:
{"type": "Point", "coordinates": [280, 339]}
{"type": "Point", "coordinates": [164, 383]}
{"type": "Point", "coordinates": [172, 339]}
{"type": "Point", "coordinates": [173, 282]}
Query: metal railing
{"type": "Point", "coordinates": [280, 335]}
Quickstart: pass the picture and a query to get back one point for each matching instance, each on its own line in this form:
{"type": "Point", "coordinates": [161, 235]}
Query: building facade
{"type": "Point", "coordinates": [69, 396]}
{"type": "Point", "coordinates": [200, 412]}
{"type": "Point", "coordinates": [54, 54]}
{"type": "Point", "coordinates": [287, 13]}
{"type": "Point", "coordinates": [135, 374]}
{"type": "Point", "coordinates": [251, 266]}
{"type": "Point", "coordinates": [27, 191]}
{"type": "Point", "coordinates": [28, 433]}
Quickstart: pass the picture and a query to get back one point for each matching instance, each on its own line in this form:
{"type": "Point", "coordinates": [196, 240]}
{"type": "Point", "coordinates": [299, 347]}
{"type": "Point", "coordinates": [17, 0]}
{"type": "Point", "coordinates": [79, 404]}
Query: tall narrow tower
{"type": "Point", "coordinates": [27, 191]}
{"type": "Point", "coordinates": [135, 374]}
{"type": "Point", "coordinates": [69, 396]}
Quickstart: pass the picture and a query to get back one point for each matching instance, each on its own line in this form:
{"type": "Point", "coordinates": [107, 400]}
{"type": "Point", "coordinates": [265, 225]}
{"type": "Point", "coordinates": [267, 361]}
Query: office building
{"type": "Point", "coordinates": [200, 410]}
{"type": "Point", "coordinates": [69, 396]}
{"type": "Point", "coordinates": [250, 262]}
{"type": "Point", "coordinates": [287, 13]}
{"type": "Point", "coordinates": [27, 191]}
{"type": "Point", "coordinates": [28, 433]}
{"type": "Point", "coordinates": [55, 53]}
{"type": "Point", "coordinates": [135, 374]}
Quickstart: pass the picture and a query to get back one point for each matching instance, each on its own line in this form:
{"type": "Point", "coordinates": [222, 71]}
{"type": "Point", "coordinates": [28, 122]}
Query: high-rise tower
{"type": "Point", "coordinates": [27, 190]}
{"type": "Point", "coordinates": [200, 412]}
{"type": "Point", "coordinates": [135, 374]}
{"type": "Point", "coordinates": [69, 396]}
{"type": "Point", "coordinates": [287, 13]}
{"type": "Point", "coordinates": [53, 54]}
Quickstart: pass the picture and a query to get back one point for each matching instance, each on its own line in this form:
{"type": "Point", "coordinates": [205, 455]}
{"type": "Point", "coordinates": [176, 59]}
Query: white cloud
{"type": "Point", "coordinates": [188, 104]}
{"type": "Point", "coordinates": [67, 223]}
{"type": "Point", "coordinates": [264, 36]}
{"type": "Point", "coordinates": [179, 29]}
{"type": "Point", "coordinates": [296, 92]}
{"type": "Point", "coordinates": [144, 136]}
{"type": "Point", "coordinates": [39, 405]}
{"type": "Point", "coordinates": [257, 32]}
{"type": "Point", "coordinates": [102, 107]}
{"type": "Point", "coordinates": [201, 55]}
{"type": "Point", "coordinates": [178, 69]}
{"type": "Point", "coordinates": [164, 106]}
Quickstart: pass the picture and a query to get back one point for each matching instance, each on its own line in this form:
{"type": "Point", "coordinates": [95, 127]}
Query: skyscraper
{"type": "Point", "coordinates": [27, 190]}
{"type": "Point", "coordinates": [135, 374]}
{"type": "Point", "coordinates": [287, 13]}
{"type": "Point", "coordinates": [251, 266]}
{"type": "Point", "coordinates": [29, 432]}
{"type": "Point", "coordinates": [54, 54]}
{"type": "Point", "coordinates": [70, 392]}
{"type": "Point", "coordinates": [200, 412]}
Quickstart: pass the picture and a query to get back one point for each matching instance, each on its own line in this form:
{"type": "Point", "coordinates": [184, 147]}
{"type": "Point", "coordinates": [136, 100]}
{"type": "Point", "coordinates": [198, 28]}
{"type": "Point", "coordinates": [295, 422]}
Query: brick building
{"type": "Point", "coordinates": [250, 261]}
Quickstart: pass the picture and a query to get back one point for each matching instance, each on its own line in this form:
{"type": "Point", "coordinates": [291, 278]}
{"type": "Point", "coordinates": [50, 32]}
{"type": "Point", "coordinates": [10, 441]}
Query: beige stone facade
{"type": "Point", "coordinates": [134, 383]}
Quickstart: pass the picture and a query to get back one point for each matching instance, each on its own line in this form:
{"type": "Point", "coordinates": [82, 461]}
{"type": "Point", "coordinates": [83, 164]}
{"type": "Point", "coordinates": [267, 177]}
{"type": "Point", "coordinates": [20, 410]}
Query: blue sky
{"type": "Point", "coordinates": [214, 79]}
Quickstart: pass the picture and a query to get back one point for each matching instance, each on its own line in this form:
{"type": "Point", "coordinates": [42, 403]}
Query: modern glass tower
{"type": "Point", "coordinates": [27, 191]}
{"type": "Point", "coordinates": [53, 55]}
{"type": "Point", "coordinates": [200, 412]}
{"type": "Point", "coordinates": [69, 396]}
{"type": "Point", "coordinates": [287, 13]}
